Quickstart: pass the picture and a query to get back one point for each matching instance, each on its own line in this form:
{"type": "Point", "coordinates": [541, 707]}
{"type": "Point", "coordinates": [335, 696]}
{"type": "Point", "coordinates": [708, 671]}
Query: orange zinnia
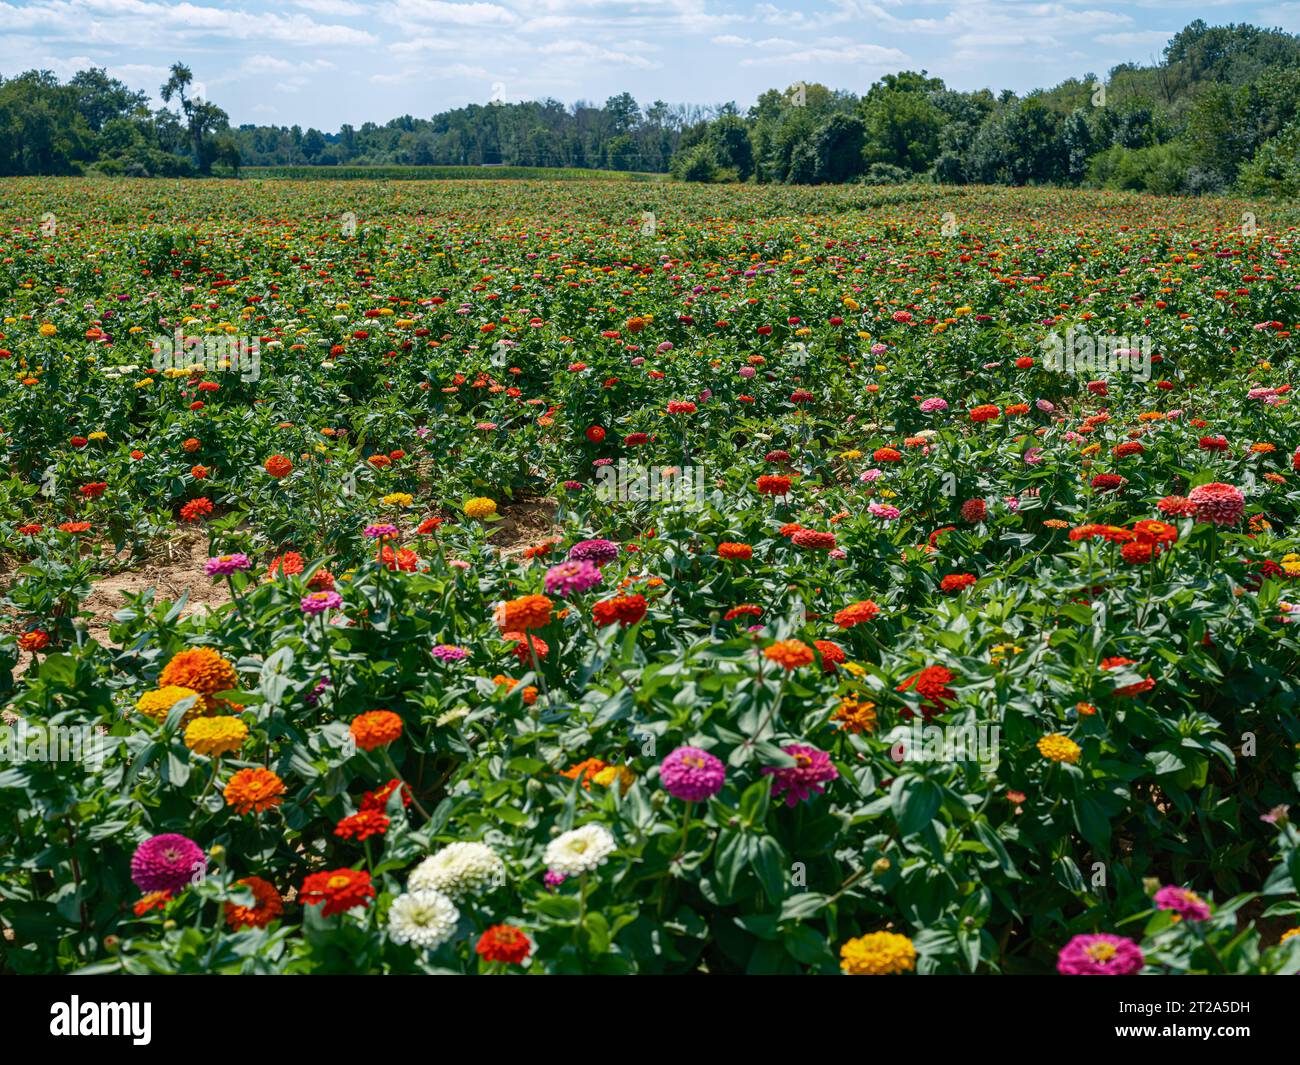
{"type": "Point", "coordinates": [266, 907]}
{"type": "Point", "coordinates": [856, 614]}
{"type": "Point", "coordinates": [376, 728]}
{"type": "Point", "coordinates": [200, 669]}
{"type": "Point", "coordinates": [790, 654]}
{"type": "Point", "coordinates": [527, 612]}
{"type": "Point", "coordinates": [254, 790]}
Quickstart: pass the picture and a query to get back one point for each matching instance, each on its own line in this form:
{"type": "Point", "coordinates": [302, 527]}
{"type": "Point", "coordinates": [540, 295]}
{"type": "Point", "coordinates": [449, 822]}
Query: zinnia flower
{"type": "Point", "coordinates": [691, 774]}
{"type": "Point", "coordinates": [215, 736]}
{"type": "Point", "coordinates": [789, 654]}
{"type": "Point", "coordinates": [572, 578]}
{"type": "Point", "coordinates": [224, 565]}
{"type": "Point", "coordinates": [625, 610]}
{"type": "Point", "coordinates": [1217, 503]}
{"type": "Point", "coordinates": [601, 552]}
{"type": "Point", "coordinates": [1185, 903]}
{"type": "Point", "coordinates": [254, 790]}
{"type": "Point", "coordinates": [200, 669]}
{"type": "Point", "coordinates": [580, 850]}
{"type": "Point", "coordinates": [856, 614]}
{"type": "Point", "coordinates": [459, 870]}
{"type": "Point", "coordinates": [526, 612]}
{"type": "Point", "coordinates": [156, 705]}
{"type": "Point", "coordinates": [504, 943]}
{"type": "Point", "coordinates": [424, 919]}
{"type": "Point", "coordinates": [338, 890]}
{"type": "Point", "coordinates": [319, 602]}
{"type": "Point", "coordinates": [812, 768]}
{"type": "Point", "coordinates": [479, 507]}
{"type": "Point", "coordinates": [267, 905]}
{"type": "Point", "coordinates": [375, 728]}
{"type": "Point", "coordinates": [362, 825]}
{"type": "Point", "coordinates": [878, 954]}
{"type": "Point", "coordinates": [1056, 747]}
{"type": "Point", "coordinates": [166, 863]}
{"type": "Point", "coordinates": [1100, 954]}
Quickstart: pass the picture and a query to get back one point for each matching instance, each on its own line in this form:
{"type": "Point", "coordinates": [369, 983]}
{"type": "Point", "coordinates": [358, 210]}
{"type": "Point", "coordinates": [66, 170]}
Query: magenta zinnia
{"type": "Point", "coordinates": [572, 578]}
{"type": "Point", "coordinates": [1100, 954]}
{"type": "Point", "coordinates": [166, 863]}
{"type": "Point", "coordinates": [691, 774]}
{"type": "Point", "coordinates": [1185, 903]}
{"type": "Point", "coordinates": [812, 768]}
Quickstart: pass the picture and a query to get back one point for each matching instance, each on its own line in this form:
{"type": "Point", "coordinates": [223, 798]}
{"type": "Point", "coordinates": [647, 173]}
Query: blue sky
{"type": "Point", "coordinates": [324, 62]}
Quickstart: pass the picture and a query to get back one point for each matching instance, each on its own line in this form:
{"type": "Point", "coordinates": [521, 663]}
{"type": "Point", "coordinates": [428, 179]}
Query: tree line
{"type": "Point", "coordinates": [1219, 110]}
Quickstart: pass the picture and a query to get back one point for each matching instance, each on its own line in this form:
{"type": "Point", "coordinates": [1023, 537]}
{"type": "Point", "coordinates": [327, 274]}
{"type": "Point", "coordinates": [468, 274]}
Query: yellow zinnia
{"type": "Point", "coordinates": [156, 705]}
{"type": "Point", "coordinates": [878, 954]}
{"type": "Point", "coordinates": [479, 507]}
{"type": "Point", "coordinates": [215, 736]}
{"type": "Point", "coordinates": [1058, 748]}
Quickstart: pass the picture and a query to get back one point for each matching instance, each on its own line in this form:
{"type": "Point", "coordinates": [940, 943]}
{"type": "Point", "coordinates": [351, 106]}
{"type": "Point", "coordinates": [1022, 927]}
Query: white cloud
{"type": "Point", "coordinates": [870, 54]}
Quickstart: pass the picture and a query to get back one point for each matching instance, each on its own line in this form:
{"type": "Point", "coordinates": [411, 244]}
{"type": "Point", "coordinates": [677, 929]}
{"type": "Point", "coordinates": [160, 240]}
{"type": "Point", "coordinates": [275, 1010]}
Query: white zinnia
{"type": "Point", "coordinates": [422, 918]}
{"type": "Point", "coordinates": [579, 851]}
{"type": "Point", "coordinates": [459, 869]}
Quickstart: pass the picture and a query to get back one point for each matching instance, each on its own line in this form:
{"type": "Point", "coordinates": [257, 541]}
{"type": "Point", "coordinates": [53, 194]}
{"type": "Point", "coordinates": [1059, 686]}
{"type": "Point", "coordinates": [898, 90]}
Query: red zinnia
{"type": "Point", "coordinates": [856, 614]}
{"type": "Point", "coordinates": [339, 889]}
{"type": "Point", "coordinates": [504, 943]}
{"type": "Point", "coordinates": [932, 685]}
{"type": "Point", "coordinates": [625, 610]}
{"type": "Point", "coordinates": [813, 540]}
{"type": "Point", "coordinates": [773, 484]}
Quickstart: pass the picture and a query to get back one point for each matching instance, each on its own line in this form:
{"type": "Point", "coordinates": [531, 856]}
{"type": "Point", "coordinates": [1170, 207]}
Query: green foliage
{"type": "Point", "coordinates": [1275, 170]}
{"type": "Point", "coordinates": [1161, 170]}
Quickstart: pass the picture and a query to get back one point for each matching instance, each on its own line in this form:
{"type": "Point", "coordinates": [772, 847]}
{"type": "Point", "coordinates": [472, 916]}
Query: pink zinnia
{"type": "Point", "coordinates": [812, 768]}
{"type": "Point", "coordinates": [570, 578]}
{"type": "Point", "coordinates": [1217, 503]}
{"type": "Point", "coordinates": [1100, 954]}
{"type": "Point", "coordinates": [691, 774]}
{"type": "Point", "coordinates": [319, 602]}
{"type": "Point", "coordinates": [224, 565]}
{"type": "Point", "coordinates": [934, 403]}
{"type": "Point", "coordinates": [166, 863]}
{"type": "Point", "coordinates": [597, 551]}
{"type": "Point", "coordinates": [1183, 902]}
{"type": "Point", "coordinates": [1176, 506]}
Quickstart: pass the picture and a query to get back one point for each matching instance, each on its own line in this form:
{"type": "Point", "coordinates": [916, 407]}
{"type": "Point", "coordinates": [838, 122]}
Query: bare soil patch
{"type": "Point", "coordinates": [525, 522]}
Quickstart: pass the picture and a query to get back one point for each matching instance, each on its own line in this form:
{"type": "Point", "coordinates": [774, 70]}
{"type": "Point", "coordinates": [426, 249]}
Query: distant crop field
{"type": "Point", "coordinates": [444, 173]}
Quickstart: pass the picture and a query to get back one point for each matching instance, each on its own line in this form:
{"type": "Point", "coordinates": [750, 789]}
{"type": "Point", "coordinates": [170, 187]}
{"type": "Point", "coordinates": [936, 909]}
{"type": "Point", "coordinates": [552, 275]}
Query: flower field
{"type": "Point", "coordinates": [602, 577]}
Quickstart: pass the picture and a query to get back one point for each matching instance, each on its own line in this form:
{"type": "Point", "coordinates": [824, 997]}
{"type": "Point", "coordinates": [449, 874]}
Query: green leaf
{"type": "Point", "coordinates": [916, 801]}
